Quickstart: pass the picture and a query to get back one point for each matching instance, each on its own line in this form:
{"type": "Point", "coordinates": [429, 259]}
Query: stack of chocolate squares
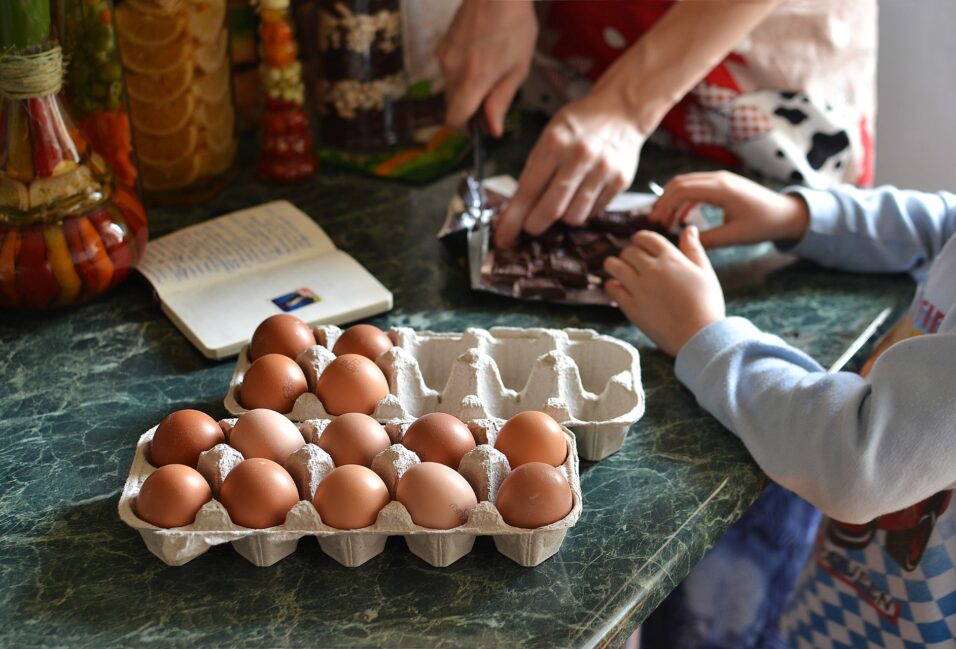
{"type": "Point", "coordinates": [565, 258]}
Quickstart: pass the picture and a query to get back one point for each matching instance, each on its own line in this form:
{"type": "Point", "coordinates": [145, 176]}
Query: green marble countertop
{"type": "Point", "coordinates": [81, 386]}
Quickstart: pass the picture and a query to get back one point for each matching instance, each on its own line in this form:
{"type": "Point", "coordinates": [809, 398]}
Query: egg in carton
{"type": "Point", "coordinates": [591, 381]}
{"type": "Point", "coordinates": [484, 467]}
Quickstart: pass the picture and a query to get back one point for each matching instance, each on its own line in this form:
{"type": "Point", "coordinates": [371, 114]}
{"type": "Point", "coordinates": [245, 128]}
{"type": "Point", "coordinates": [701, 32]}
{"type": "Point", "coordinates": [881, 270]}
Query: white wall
{"type": "Point", "coordinates": [916, 97]}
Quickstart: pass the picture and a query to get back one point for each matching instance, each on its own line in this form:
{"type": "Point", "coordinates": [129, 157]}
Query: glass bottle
{"type": "Point", "coordinates": [286, 153]}
{"type": "Point", "coordinates": [175, 56]}
{"type": "Point", "coordinates": [361, 88]}
{"type": "Point", "coordinates": [70, 229]}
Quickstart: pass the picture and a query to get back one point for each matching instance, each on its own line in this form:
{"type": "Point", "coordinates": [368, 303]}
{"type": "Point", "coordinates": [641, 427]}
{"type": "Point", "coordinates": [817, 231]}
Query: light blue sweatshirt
{"type": "Point", "coordinates": [858, 448]}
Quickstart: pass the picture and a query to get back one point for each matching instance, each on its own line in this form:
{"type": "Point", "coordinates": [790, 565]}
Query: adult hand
{"type": "Point", "coordinates": [752, 213]}
{"type": "Point", "coordinates": [485, 56]}
{"type": "Point", "coordinates": [586, 155]}
{"type": "Point", "coordinates": [669, 294]}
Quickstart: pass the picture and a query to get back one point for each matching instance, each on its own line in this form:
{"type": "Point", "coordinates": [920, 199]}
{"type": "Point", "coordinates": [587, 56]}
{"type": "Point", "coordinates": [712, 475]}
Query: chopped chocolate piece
{"type": "Point", "coordinates": [542, 287]}
{"type": "Point", "coordinates": [595, 253]}
{"type": "Point", "coordinates": [552, 237]}
{"type": "Point", "coordinates": [619, 242]}
{"type": "Point", "coordinates": [508, 273]}
{"type": "Point", "coordinates": [538, 266]}
{"type": "Point", "coordinates": [570, 271]}
{"type": "Point", "coordinates": [581, 237]}
{"type": "Point", "coordinates": [620, 223]}
{"type": "Point", "coordinates": [505, 256]}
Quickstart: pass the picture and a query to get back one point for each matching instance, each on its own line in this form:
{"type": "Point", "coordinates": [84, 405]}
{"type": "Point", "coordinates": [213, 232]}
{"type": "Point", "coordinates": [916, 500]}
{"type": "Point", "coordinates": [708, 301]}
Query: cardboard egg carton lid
{"type": "Point", "coordinates": [484, 468]}
{"type": "Point", "coordinates": [590, 383]}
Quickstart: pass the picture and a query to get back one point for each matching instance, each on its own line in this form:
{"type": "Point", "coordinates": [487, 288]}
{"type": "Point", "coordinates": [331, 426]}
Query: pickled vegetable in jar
{"type": "Point", "coordinates": [94, 88]}
{"type": "Point", "coordinates": [286, 153]}
{"type": "Point", "coordinates": [175, 55]}
{"type": "Point", "coordinates": [69, 230]}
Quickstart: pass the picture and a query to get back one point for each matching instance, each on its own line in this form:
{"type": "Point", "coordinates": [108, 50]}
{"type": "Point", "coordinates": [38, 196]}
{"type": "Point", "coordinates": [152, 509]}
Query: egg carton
{"type": "Point", "coordinates": [484, 468]}
{"type": "Point", "coordinates": [590, 381]}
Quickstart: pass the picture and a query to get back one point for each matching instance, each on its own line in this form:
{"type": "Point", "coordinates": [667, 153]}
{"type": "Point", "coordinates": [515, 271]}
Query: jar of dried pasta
{"type": "Point", "coordinates": [361, 87]}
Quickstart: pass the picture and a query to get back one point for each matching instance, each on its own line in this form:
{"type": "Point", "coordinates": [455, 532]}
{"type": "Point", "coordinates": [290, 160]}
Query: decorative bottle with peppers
{"type": "Point", "coordinates": [94, 88]}
{"type": "Point", "coordinates": [69, 228]}
{"type": "Point", "coordinates": [175, 56]}
{"type": "Point", "coordinates": [286, 154]}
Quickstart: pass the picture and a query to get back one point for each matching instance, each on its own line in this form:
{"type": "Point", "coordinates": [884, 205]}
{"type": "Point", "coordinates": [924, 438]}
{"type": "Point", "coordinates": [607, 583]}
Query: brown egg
{"type": "Point", "coordinates": [258, 493]}
{"type": "Point", "coordinates": [265, 433]}
{"type": "Point", "coordinates": [273, 381]}
{"type": "Point", "coordinates": [438, 437]}
{"type": "Point", "coordinates": [181, 436]}
{"type": "Point", "coordinates": [351, 383]}
{"type": "Point", "coordinates": [281, 334]}
{"type": "Point", "coordinates": [436, 496]}
{"type": "Point", "coordinates": [354, 438]}
{"type": "Point", "coordinates": [350, 497]}
{"type": "Point", "coordinates": [172, 496]}
{"type": "Point", "coordinates": [532, 436]}
{"type": "Point", "coordinates": [533, 495]}
{"type": "Point", "coordinates": [362, 339]}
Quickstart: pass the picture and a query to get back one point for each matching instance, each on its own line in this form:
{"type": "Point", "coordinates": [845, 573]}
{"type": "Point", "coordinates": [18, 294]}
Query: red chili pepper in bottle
{"type": "Point", "coordinates": [47, 153]}
{"type": "Point", "coordinates": [36, 284]}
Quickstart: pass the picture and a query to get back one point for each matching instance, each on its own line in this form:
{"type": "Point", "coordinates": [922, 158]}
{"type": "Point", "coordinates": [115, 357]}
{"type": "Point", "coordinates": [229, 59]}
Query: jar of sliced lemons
{"type": "Point", "coordinates": [176, 64]}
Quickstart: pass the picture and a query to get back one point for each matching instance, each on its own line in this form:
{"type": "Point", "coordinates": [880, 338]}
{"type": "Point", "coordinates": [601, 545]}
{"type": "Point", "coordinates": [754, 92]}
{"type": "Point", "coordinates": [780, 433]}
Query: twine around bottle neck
{"type": "Point", "coordinates": [25, 76]}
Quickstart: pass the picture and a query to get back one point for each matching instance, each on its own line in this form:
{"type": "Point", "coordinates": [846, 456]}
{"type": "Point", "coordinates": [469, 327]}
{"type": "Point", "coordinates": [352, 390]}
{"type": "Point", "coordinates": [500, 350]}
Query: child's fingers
{"type": "Point", "coordinates": [691, 247]}
{"type": "Point", "coordinates": [623, 272]}
{"type": "Point", "coordinates": [637, 258]}
{"type": "Point", "coordinates": [624, 299]}
{"type": "Point", "coordinates": [731, 233]}
{"type": "Point", "coordinates": [651, 242]}
{"type": "Point", "coordinates": [693, 188]}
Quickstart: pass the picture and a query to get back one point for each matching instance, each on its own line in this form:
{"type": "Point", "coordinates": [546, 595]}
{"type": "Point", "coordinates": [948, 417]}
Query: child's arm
{"type": "Point", "coordinates": [854, 447]}
{"type": "Point", "coordinates": [878, 230]}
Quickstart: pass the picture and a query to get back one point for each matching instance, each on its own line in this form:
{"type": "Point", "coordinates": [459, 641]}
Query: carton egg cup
{"type": "Point", "coordinates": [483, 467]}
{"type": "Point", "coordinates": [588, 382]}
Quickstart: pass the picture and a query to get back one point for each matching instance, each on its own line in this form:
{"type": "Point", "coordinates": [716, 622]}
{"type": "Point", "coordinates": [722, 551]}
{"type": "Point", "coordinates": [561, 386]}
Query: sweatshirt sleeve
{"type": "Point", "coordinates": [876, 230]}
{"type": "Point", "coordinates": [856, 448]}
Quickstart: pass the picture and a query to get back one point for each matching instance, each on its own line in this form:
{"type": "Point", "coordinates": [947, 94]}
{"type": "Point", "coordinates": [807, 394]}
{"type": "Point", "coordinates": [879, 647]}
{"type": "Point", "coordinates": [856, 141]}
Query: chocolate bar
{"type": "Point", "coordinates": [565, 259]}
{"type": "Point", "coordinates": [543, 287]}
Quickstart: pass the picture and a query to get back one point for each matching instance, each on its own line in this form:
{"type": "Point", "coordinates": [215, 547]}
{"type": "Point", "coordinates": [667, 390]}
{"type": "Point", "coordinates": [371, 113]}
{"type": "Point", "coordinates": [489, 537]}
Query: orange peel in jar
{"type": "Point", "coordinates": [143, 29]}
{"type": "Point", "coordinates": [167, 148]}
{"type": "Point", "coordinates": [162, 119]}
{"type": "Point", "coordinates": [160, 87]}
{"type": "Point", "coordinates": [206, 19]}
{"type": "Point", "coordinates": [213, 86]}
{"type": "Point", "coordinates": [155, 60]}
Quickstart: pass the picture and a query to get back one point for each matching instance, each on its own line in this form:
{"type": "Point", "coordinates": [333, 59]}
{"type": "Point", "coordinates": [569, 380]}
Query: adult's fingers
{"type": "Point", "coordinates": [537, 173]}
{"type": "Point", "coordinates": [614, 186]}
{"type": "Point", "coordinates": [583, 203]}
{"type": "Point", "coordinates": [463, 101]}
{"type": "Point", "coordinates": [577, 160]}
{"type": "Point", "coordinates": [499, 100]}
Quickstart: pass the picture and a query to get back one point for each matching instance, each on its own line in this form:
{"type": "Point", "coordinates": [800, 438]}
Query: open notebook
{"type": "Point", "coordinates": [219, 279]}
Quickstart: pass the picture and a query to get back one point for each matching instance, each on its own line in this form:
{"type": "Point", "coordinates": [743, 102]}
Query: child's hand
{"type": "Point", "coordinates": [669, 294]}
{"type": "Point", "coordinates": [752, 213]}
